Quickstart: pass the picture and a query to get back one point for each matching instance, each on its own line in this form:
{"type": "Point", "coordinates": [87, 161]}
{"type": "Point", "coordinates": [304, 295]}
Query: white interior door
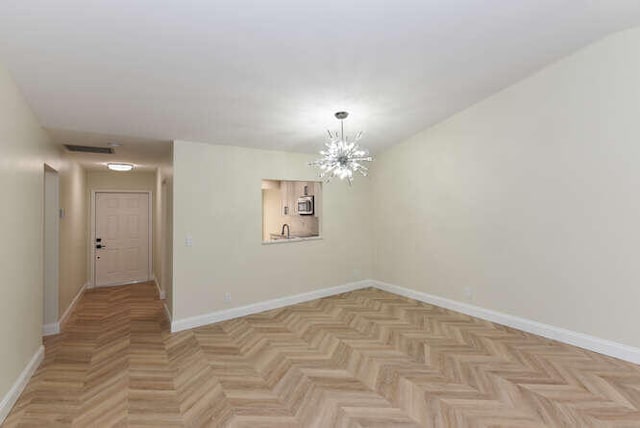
{"type": "Point", "coordinates": [121, 238]}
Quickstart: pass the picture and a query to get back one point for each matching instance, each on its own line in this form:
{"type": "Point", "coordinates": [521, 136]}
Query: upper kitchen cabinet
{"type": "Point", "coordinates": [304, 188]}
{"type": "Point", "coordinates": [288, 197]}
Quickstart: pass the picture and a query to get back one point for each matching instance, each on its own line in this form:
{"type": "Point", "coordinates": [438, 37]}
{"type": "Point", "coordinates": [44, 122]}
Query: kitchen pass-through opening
{"type": "Point", "coordinates": [290, 210]}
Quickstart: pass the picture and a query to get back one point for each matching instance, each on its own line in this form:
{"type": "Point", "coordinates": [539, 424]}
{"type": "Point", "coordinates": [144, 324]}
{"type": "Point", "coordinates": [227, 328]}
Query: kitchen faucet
{"type": "Point", "coordinates": [282, 233]}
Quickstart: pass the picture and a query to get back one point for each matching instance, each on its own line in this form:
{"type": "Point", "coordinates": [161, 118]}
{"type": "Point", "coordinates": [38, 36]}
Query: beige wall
{"type": "Point", "coordinates": [529, 197]}
{"type": "Point", "coordinates": [25, 148]}
{"type": "Point", "coordinates": [74, 233]}
{"type": "Point", "coordinates": [218, 201]}
{"type": "Point", "coordinates": [112, 180]}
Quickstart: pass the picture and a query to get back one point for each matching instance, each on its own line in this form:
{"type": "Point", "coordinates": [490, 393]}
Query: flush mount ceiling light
{"type": "Point", "coordinates": [120, 166]}
{"type": "Point", "coordinates": [342, 158]}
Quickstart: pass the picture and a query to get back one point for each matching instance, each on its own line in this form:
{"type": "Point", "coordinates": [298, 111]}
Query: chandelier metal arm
{"type": "Point", "coordinates": [342, 158]}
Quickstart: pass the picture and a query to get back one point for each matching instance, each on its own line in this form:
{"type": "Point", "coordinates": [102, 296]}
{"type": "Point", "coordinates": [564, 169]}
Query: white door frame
{"type": "Point", "coordinates": [51, 256]}
{"type": "Point", "coordinates": [92, 242]}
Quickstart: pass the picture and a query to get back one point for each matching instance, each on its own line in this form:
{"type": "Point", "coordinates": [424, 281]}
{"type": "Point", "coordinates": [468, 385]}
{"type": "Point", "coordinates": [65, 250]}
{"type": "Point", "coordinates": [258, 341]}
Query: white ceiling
{"type": "Point", "coordinates": [271, 73]}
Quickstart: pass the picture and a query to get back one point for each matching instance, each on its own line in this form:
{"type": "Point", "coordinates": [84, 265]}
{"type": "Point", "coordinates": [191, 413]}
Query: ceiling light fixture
{"type": "Point", "coordinates": [120, 166]}
{"type": "Point", "coordinates": [342, 158]}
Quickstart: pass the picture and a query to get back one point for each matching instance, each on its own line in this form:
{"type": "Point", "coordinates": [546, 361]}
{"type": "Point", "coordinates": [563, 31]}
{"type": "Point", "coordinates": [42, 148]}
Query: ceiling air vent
{"type": "Point", "coordinates": [89, 149]}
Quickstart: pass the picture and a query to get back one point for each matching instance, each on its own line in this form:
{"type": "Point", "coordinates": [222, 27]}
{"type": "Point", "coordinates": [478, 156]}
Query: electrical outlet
{"type": "Point", "coordinates": [468, 294]}
{"type": "Point", "coordinates": [188, 241]}
{"type": "Point", "coordinates": [227, 297]}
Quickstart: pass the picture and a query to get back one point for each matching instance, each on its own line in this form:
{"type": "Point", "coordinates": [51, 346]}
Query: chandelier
{"type": "Point", "coordinates": [342, 158]}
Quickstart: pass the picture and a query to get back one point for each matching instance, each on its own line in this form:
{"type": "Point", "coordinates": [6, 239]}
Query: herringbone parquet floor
{"type": "Point", "coordinates": [361, 359]}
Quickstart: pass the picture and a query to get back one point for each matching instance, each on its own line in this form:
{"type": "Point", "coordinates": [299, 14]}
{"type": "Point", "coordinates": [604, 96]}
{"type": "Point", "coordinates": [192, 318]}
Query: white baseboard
{"type": "Point", "coordinates": [161, 292]}
{"type": "Point", "coordinates": [72, 305]}
{"type": "Point", "coordinates": [54, 327]}
{"type": "Point", "coordinates": [121, 283]}
{"type": "Point", "coordinates": [581, 340]}
{"type": "Point", "coordinates": [167, 312]}
{"type": "Point", "coordinates": [51, 328]}
{"type": "Point", "coordinates": [13, 394]}
{"type": "Point", "coordinates": [226, 314]}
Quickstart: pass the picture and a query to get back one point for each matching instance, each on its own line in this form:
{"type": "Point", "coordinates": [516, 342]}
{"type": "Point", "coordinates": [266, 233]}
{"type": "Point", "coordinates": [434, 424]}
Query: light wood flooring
{"type": "Point", "coordinates": [361, 359]}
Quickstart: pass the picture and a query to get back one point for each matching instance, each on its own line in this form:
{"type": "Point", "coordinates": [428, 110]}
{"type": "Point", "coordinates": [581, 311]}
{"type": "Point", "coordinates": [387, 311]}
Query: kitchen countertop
{"type": "Point", "coordinates": [295, 238]}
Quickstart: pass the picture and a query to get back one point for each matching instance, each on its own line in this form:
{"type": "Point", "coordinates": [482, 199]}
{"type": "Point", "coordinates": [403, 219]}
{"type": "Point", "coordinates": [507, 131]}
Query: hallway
{"type": "Point", "coordinates": [108, 367]}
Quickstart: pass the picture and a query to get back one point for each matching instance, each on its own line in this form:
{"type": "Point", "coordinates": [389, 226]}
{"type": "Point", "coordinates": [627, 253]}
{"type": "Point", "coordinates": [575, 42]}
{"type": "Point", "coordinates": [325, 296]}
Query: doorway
{"type": "Point", "coordinates": [51, 233]}
{"type": "Point", "coordinates": [121, 237]}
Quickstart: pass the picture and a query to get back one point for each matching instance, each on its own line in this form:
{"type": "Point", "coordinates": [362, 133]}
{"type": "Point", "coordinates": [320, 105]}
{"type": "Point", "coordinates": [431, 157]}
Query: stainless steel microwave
{"type": "Point", "coordinates": [305, 205]}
